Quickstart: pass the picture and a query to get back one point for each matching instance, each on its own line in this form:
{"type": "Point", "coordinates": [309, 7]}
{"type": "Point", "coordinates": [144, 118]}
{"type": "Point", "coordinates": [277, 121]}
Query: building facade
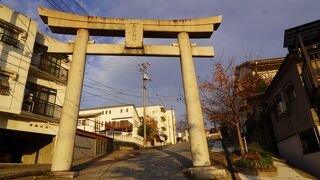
{"type": "Point", "coordinates": [292, 99]}
{"type": "Point", "coordinates": [120, 122]}
{"type": "Point", "coordinates": [32, 87]}
{"type": "Point", "coordinates": [166, 123]}
{"type": "Point", "coordinates": [254, 124]}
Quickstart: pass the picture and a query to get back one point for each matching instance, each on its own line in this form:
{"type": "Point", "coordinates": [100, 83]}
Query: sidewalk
{"type": "Point", "coordinates": [284, 172]}
{"type": "Point", "coordinates": [17, 170]}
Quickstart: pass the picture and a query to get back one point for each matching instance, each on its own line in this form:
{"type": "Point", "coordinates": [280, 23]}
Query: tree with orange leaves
{"type": "Point", "coordinates": [225, 97]}
{"type": "Point", "coordinates": [151, 128]}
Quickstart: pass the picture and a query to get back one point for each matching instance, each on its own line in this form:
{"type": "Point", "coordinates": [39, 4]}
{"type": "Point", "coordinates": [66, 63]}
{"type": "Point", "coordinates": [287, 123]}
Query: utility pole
{"type": "Point", "coordinates": [143, 69]}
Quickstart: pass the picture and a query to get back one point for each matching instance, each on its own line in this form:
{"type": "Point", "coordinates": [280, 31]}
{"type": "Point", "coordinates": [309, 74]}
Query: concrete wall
{"type": "Point", "coordinates": [25, 147]}
{"type": "Point", "coordinates": [128, 137]}
{"type": "Point", "coordinates": [87, 147]}
{"type": "Point", "coordinates": [291, 150]}
{"type": "Point", "coordinates": [27, 124]}
{"type": "Point", "coordinates": [39, 151]}
{"type": "Point", "coordinates": [84, 147]}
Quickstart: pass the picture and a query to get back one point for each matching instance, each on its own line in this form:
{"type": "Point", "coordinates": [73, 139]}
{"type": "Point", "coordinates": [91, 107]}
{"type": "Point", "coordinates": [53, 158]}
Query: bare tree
{"type": "Point", "coordinates": [182, 125]}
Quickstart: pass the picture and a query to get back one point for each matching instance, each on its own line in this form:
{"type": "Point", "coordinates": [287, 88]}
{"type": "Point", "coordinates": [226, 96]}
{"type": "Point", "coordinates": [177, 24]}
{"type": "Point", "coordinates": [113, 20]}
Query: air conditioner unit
{"type": "Point", "coordinates": [283, 108]}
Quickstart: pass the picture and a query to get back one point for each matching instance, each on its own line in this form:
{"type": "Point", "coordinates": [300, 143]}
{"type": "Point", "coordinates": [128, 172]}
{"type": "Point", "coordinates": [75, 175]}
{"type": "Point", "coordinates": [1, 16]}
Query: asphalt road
{"type": "Point", "coordinates": [156, 163]}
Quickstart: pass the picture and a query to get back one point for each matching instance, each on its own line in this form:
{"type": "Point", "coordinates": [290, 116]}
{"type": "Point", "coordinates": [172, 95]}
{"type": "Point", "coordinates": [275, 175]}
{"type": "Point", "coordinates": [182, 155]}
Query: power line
{"type": "Point", "coordinates": [156, 94]}
{"type": "Point", "coordinates": [120, 92]}
{"type": "Point", "coordinates": [54, 5]}
{"type": "Point", "coordinates": [104, 97]}
{"type": "Point", "coordinates": [66, 6]}
{"type": "Point", "coordinates": [106, 93]}
{"type": "Point", "coordinates": [81, 8]}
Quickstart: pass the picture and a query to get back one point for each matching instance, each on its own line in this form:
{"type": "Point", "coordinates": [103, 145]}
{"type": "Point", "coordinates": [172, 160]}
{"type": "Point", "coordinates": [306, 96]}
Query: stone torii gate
{"type": "Point", "coordinates": [134, 30]}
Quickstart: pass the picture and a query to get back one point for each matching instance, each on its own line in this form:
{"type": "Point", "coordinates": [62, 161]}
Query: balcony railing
{"type": "Point", "coordinates": [52, 68]}
{"type": "Point", "coordinates": [41, 107]}
{"type": "Point", "coordinates": [119, 125]}
{"type": "Point", "coordinates": [9, 40]}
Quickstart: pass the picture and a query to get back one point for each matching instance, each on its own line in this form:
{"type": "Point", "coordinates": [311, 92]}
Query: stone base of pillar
{"type": "Point", "coordinates": [62, 174]}
{"type": "Point", "coordinates": [207, 172]}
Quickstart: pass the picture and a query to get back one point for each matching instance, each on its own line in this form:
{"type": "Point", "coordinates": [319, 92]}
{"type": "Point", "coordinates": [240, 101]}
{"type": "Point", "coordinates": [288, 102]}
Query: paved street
{"type": "Point", "coordinates": [156, 163]}
{"type": "Point", "coordinates": [161, 163]}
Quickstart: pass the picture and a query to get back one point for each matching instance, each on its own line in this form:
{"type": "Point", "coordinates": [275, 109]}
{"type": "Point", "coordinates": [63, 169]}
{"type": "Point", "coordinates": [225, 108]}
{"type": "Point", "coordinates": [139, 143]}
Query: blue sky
{"type": "Point", "coordinates": [249, 29]}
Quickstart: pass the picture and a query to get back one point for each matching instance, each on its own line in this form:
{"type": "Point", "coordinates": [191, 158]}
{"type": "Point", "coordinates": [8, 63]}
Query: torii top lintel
{"type": "Point", "coordinates": [67, 23]}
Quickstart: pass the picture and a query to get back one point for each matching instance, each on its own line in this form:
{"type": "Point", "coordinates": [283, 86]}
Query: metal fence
{"type": "Point", "coordinates": [41, 107]}
{"type": "Point", "coordinates": [9, 40]}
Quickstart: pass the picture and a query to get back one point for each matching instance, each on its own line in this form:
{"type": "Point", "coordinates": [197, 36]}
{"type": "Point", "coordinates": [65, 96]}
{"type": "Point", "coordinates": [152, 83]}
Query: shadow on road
{"type": "Point", "coordinates": [186, 162]}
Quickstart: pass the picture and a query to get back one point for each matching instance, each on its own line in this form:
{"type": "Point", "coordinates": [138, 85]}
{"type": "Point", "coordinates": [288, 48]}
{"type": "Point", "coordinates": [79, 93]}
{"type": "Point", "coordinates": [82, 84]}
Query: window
{"type": "Point", "coordinates": [106, 111]}
{"type": "Point", "coordinates": [83, 122]}
{"type": "Point", "coordinates": [127, 110]}
{"type": "Point", "coordinates": [290, 94]}
{"type": "Point", "coordinates": [39, 99]}
{"type": "Point", "coordinates": [102, 112]}
{"type": "Point", "coordinates": [8, 35]}
{"type": "Point", "coordinates": [4, 85]}
{"type": "Point", "coordinates": [120, 110]}
{"type": "Point", "coordinates": [276, 108]}
{"type": "Point", "coordinates": [109, 111]}
{"type": "Point", "coordinates": [52, 65]}
{"type": "Point", "coordinates": [310, 141]}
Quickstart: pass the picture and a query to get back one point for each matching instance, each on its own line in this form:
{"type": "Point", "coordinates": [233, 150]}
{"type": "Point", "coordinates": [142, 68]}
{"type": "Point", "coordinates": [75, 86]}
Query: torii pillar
{"type": "Point", "coordinates": [134, 30]}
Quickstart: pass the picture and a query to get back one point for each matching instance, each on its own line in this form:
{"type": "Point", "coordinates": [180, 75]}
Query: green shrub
{"type": "Point", "coordinates": [263, 164]}
{"type": "Point", "coordinates": [256, 158]}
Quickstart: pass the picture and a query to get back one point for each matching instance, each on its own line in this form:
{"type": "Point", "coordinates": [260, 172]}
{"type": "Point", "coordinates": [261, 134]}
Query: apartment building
{"type": "Point", "coordinates": [265, 68]}
{"type": "Point", "coordinates": [32, 89]}
{"type": "Point", "coordinates": [119, 122]}
{"type": "Point", "coordinates": [292, 99]}
{"type": "Point", "coordinates": [166, 123]}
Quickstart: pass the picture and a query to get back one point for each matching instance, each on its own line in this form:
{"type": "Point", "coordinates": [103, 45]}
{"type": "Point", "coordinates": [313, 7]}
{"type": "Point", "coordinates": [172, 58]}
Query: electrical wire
{"type": "Point", "coordinates": [67, 6]}
{"type": "Point", "coordinates": [81, 7]}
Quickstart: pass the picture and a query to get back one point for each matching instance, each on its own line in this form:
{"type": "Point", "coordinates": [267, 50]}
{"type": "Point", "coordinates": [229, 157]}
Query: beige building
{"type": "Point", "coordinates": [120, 122]}
{"type": "Point", "coordinates": [265, 68]}
{"type": "Point", "coordinates": [32, 88]}
{"type": "Point", "coordinates": [166, 122]}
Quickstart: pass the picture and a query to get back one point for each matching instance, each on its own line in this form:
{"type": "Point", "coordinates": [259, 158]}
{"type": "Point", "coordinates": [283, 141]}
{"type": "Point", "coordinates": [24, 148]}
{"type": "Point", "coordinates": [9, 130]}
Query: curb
{"type": "Point", "coordinates": [22, 174]}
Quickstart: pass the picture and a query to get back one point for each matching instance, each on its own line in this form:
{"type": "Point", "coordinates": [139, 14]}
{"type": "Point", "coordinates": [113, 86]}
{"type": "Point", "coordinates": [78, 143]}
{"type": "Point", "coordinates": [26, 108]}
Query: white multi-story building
{"type": "Point", "coordinates": [120, 122]}
{"type": "Point", "coordinates": [166, 122]}
{"type": "Point", "coordinates": [32, 89]}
